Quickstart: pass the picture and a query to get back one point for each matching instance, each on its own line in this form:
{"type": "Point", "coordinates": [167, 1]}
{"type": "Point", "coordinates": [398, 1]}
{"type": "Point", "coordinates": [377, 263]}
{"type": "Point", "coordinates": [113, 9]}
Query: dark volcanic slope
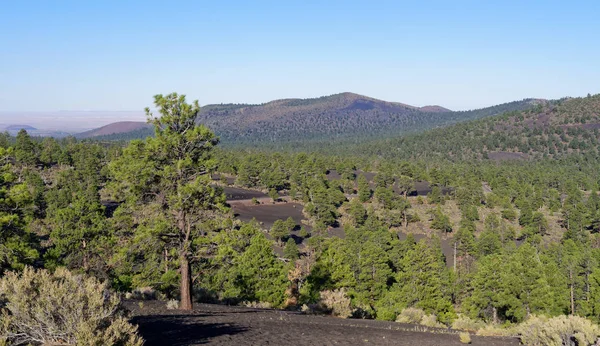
{"type": "Point", "coordinates": [234, 326]}
{"type": "Point", "coordinates": [115, 128]}
{"type": "Point", "coordinates": [342, 115]}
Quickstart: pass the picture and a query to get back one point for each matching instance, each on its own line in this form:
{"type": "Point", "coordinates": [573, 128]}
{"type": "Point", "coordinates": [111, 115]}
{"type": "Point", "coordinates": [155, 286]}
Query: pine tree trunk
{"type": "Point", "coordinates": [494, 315]}
{"type": "Point", "coordinates": [454, 257]}
{"type": "Point", "coordinates": [572, 294]}
{"type": "Point", "coordinates": [166, 260]}
{"type": "Point", "coordinates": [186, 284]}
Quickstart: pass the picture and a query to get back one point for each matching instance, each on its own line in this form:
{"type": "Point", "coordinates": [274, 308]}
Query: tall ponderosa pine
{"type": "Point", "coordinates": [172, 172]}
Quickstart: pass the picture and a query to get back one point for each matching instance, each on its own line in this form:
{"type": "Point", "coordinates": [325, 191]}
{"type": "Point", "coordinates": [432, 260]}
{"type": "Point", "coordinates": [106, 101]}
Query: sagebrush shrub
{"type": "Point", "coordinates": [60, 308]}
{"type": "Point", "coordinates": [495, 330]}
{"type": "Point", "coordinates": [465, 338]}
{"type": "Point", "coordinates": [337, 302]}
{"type": "Point", "coordinates": [558, 331]}
{"type": "Point", "coordinates": [257, 305]}
{"type": "Point", "coordinates": [465, 323]}
{"type": "Point", "coordinates": [410, 315]}
{"type": "Point", "coordinates": [172, 304]}
{"type": "Point", "coordinates": [431, 321]}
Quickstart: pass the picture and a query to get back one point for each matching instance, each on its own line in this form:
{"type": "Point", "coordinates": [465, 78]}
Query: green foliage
{"type": "Point", "coordinates": [261, 276]}
{"type": "Point", "coordinates": [170, 173]}
{"type": "Point", "coordinates": [26, 150]}
{"type": "Point", "coordinates": [280, 230]}
{"type": "Point", "coordinates": [18, 246]}
{"type": "Point", "coordinates": [357, 211]}
{"type": "Point", "coordinates": [441, 221]}
{"type": "Point", "coordinates": [424, 281]}
{"type": "Point", "coordinates": [364, 191]}
{"type": "Point", "coordinates": [274, 195]}
{"type": "Point", "coordinates": [290, 251]}
{"type": "Point", "coordinates": [435, 196]}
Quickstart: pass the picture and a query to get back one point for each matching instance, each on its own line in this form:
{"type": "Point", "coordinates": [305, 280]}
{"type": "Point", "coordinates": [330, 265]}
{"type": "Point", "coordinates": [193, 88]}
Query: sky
{"type": "Point", "coordinates": [114, 55]}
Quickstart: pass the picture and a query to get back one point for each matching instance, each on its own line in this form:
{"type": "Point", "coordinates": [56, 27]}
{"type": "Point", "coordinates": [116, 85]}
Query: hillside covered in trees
{"type": "Point", "coordinates": [332, 118]}
{"type": "Point", "coordinates": [556, 129]}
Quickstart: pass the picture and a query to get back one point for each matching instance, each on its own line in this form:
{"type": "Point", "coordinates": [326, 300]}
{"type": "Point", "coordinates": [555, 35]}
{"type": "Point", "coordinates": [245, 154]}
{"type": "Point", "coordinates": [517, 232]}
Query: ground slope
{"type": "Point", "coordinates": [234, 326]}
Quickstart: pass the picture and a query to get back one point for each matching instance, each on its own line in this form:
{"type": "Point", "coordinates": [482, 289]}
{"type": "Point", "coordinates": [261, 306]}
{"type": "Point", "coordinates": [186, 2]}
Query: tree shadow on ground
{"type": "Point", "coordinates": [181, 330]}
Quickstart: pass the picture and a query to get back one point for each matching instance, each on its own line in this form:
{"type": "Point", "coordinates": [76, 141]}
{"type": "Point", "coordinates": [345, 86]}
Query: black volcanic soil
{"type": "Point", "coordinates": [234, 326]}
{"type": "Point", "coordinates": [238, 194]}
{"type": "Point", "coordinates": [267, 214]}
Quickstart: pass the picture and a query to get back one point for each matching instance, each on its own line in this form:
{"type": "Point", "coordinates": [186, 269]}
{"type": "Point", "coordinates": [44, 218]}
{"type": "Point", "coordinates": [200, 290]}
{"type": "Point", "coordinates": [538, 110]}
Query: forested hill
{"type": "Point", "coordinates": [549, 130]}
{"type": "Point", "coordinates": [337, 116]}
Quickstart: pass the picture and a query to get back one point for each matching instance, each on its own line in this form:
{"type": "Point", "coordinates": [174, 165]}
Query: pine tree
{"type": "Point", "coordinates": [364, 191]}
{"type": "Point", "coordinates": [290, 251]}
{"type": "Point", "coordinates": [172, 172]}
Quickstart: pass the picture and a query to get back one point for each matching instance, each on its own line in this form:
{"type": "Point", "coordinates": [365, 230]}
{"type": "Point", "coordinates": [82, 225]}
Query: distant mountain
{"type": "Point", "coordinates": [121, 127]}
{"type": "Point", "coordinates": [332, 117]}
{"type": "Point", "coordinates": [19, 128]}
{"type": "Point", "coordinates": [434, 109]}
{"type": "Point", "coordinates": [340, 116]}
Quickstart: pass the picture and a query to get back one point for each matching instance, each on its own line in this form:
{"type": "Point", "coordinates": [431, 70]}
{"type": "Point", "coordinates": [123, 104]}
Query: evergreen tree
{"type": "Point", "coordinates": [172, 171]}
{"type": "Point", "coordinates": [364, 191]}
{"type": "Point", "coordinates": [290, 251]}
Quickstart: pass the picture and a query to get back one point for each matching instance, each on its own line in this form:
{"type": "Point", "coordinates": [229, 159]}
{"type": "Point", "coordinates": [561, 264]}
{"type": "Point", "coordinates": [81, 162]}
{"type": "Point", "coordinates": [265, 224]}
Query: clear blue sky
{"type": "Point", "coordinates": [114, 55]}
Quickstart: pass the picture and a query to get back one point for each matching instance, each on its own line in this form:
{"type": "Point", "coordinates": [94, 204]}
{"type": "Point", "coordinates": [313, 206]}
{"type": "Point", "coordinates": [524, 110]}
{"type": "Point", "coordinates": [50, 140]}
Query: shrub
{"type": "Point", "coordinates": [465, 338]}
{"type": "Point", "coordinates": [431, 321]}
{"type": "Point", "coordinates": [172, 304]}
{"type": "Point", "coordinates": [303, 232]}
{"type": "Point", "coordinates": [410, 315]}
{"type": "Point", "coordinates": [257, 305]}
{"type": "Point", "coordinates": [41, 308]}
{"type": "Point", "coordinates": [494, 330]}
{"type": "Point", "coordinates": [337, 302]}
{"type": "Point", "coordinates": [558, 331]}
{"type": "Point", "coordinates": [509, 214]}
{"type": "Point", "coordinates": [142, 293]}
{"type": "Point", "coordinates": [312, 309]}
{"type": "Point", "coordinates": [465, 323]}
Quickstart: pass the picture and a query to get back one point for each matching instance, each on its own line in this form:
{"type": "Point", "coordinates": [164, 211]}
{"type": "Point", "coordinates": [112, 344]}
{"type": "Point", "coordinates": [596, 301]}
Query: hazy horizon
{"type": "Point", "coordinates": [74, 121]}
{"type": "Point", "coordinates": [68, 121]}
